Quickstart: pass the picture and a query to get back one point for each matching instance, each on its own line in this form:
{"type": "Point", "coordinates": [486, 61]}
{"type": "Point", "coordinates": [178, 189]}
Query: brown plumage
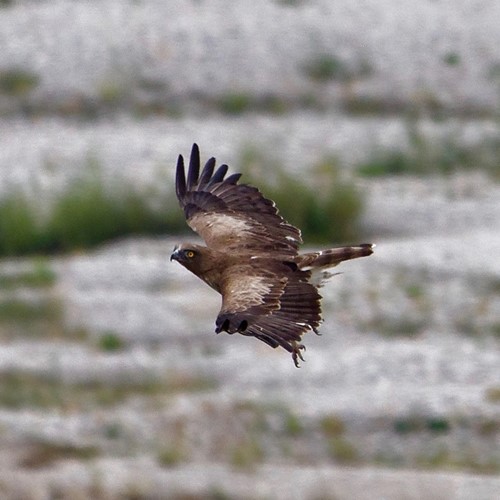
{"type": "Point", "coordinates": [268, 290]}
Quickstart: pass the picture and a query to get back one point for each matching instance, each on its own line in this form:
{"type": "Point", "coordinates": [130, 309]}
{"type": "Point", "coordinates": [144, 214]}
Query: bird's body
{"type": "Point", "coordinates": [269, 290]}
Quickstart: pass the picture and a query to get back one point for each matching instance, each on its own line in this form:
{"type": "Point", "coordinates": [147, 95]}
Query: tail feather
{"type": "Point", "coordinates": [330, 258]}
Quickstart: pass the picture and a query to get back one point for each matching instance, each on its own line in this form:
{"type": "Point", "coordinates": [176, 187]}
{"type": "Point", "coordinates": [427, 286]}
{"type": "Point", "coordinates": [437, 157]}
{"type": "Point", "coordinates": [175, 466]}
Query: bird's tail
{"type": "Point", "coordinates": [330, 258]}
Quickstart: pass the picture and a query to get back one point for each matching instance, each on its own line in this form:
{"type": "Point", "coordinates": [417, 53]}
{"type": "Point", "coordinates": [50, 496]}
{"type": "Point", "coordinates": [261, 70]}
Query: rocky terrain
{"type": "Point", "coordinates": [112, 381]}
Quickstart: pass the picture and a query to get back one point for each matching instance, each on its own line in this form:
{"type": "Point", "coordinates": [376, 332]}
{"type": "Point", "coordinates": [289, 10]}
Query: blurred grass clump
{"type": "Point", "coordinates": [326, 207]}
{"type": "Point", "coordinates": [40, 275]}
{"type": "Point", "coordinates": [90, 211]}
{"type": "Point", "coordinates": [87, 213]}
{"type": "Point", "coordinates": [426, 155]}
{"type": "Point", "coordinates": [17, 81]}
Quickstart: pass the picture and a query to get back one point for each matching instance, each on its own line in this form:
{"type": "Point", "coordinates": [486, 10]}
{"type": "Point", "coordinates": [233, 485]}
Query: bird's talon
{"type": "Point", "coordinates": [296, 354]}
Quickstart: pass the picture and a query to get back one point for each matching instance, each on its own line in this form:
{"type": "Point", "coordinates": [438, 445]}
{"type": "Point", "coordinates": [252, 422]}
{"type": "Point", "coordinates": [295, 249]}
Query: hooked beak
{"type": "Point", "coordinates": [175, 254]}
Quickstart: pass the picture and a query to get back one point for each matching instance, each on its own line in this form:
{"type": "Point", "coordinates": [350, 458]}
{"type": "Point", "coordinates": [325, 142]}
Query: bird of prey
{"type": "Point", "coordinates": [269, 290]}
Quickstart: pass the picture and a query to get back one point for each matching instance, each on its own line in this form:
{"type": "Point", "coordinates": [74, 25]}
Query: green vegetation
{"type": "Point", "coordinates": [293, 426]}
{"type": "Point", "coordinates": [238, 103]}
{"type": "Point", "coordinates": [414, 291]}
{"type": "Point", "coordinates": [43, 454]}
{"type": "Point", "coordinates": [467, 459]}
{"type": "Point", "coordinates": [86, 214]}
{"type": "Point", "coordinates": [325, 67]}
{"type": "Point", "coordinates": [362, 105]}
{"type": "Point", "coordinates": [27, 390]}
{"type": "Point", "coordinates": [110, 342]}
{"type": "Point", "coordinates": [19, 232]}
{"type": "Point", "coordinates": [23, 311]}
{"type": "Point", "coordinates": [29, 308]}
{"type": "Point", "coordinates": [17, 81]}
{"type": "Point", "coordinates": [452, 59]}
{"type": "Point", "coordinates": [400, 326]}
{"type": "Point", "coordinates": [247, 453]}
{"type": "Point", "coordinates": [235, 103]}
{"type": "Point", "coordinates": [326, 210]}
{"type": "Point", "coordinates": [171, 455]}
{"type": "Point", "coordinates": [493, 394]}
{"type": "Point", "coordinates": [427, 156]}
{"type": "Point", "coordinates": [290, 3]}
{"type": "Point", "coordinates": [326, 206]}
{"type": "Point", "coordinates": [418, 423]}
{"type": "Point", "coordinates": [332, 426]}
{"type": "Point", "coordinates": [489, 427]}
{"type": "Point", "coordinates": [342, 451]}
{"type": "Point", "coordinates": [40, 276]}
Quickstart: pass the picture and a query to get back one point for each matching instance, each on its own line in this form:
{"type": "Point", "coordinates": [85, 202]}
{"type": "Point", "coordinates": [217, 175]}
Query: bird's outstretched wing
{"type": "Point", "coordinates": [275, 307]}
{"type": "Point", "coordinates": [231, 216]}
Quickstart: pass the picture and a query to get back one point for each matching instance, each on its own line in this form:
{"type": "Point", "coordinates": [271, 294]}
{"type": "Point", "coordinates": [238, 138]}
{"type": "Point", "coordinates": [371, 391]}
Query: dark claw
{"type": "Point", "coordinates": [296, 354]}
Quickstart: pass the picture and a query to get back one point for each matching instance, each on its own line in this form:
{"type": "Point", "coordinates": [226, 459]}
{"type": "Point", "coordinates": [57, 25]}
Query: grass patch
{"type": "Point", "coordinates": [86, 214]}
{"type": "Point", "coordinates": [427, 156]}
{"type": "Point", "coordinates": [468, 325]}
{"type": "Point", "coordinates": [495, 329]}
{"type": "Point", "coordinates": [185, 382]}
{"type": "Point", "coordinates": [325, 67]}
{"type": "Point", "coordinates": [466, 460]}
{"type": "Point", "coordinates": [292, 425]}
{"type": "Point", "coordinates": [452, 59]}
{"type": "Point", "coordinates": [24, 390]}
{"type": "Point", "coordinates": [493, 394]}
{"type": "Point", "coordinates": [342, 451]}
{"type": "Point", "coordinates": [362, 105]}
{"type": "Point", "coordinates": [235, 103]}
{"type": "Point", "coordinates": [290, 3]}
{"type": "Point", "coordinates": [414, 291]}
{"type": "Point", "coordinates": [171, 456]}
{"type": "Point", "coordinates": [238, 103]}
{"type": "Point", "coordinates": [19, 232]}
{"type": "Point", "coordinates": [393, 327]}
{"type": "Point", "coordinates": [327, 210]}
{"type": "Point", "coordinates": [40, 276]}
{"type": "Point", "coordinates": [17, 81]}
{"type": "Point", "coordinates": [488, 427]}
{"type": "Point", "coordinates": [387, 163]}
{"type": "Point", "coordinates": [110, 342]}
{"type": "Point", "coordinates": [437, 425]}
{"type": "Point", "coordinates": [247, 454]}
{"type": "Point", "coordinates": [40, 317]}
{"type": "Point", "coordinates": [43, 454]}
{"type": "Point", "coordinates": [332, 426]}
{"type": "Point", "coordinates": [411, 424]}
{"type": "Point", "coordinates": [21, 311]}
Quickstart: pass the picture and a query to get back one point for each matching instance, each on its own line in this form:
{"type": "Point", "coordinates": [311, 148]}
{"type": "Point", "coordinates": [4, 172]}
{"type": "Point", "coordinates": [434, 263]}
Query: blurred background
{"type": "Point", "coordinates": [365, 121]}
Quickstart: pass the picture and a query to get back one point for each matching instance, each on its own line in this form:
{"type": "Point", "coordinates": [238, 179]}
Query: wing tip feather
{"type": "Point", "coordinates": [180, 178]}
{"type": "Point", "coordinates": [194, 167]}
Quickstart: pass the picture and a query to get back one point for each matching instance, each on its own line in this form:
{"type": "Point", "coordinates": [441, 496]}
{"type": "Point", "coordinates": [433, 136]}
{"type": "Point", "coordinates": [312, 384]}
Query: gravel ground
{"type": "Point", "coordinates": [370, 380]}
{"type": "Point", "coordinates": [174, 50]}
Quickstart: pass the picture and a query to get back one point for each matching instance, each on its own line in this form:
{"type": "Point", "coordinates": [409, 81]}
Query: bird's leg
{"type": "Point", "coordinates": [296, 354]}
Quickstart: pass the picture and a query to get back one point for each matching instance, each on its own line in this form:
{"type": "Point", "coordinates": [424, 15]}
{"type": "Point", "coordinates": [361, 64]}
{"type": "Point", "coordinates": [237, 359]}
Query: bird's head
{"type": "Point", "coordinates": [189, 255]}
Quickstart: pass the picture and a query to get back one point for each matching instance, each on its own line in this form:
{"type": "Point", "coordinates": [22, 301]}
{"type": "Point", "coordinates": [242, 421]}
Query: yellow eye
{"type": "Point", "coordinates": [189, 254]}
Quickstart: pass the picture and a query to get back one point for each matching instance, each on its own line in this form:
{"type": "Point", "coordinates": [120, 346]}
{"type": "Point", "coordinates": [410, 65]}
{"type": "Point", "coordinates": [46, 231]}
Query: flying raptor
{"type": "Point", "coordinates": [269, 290]}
